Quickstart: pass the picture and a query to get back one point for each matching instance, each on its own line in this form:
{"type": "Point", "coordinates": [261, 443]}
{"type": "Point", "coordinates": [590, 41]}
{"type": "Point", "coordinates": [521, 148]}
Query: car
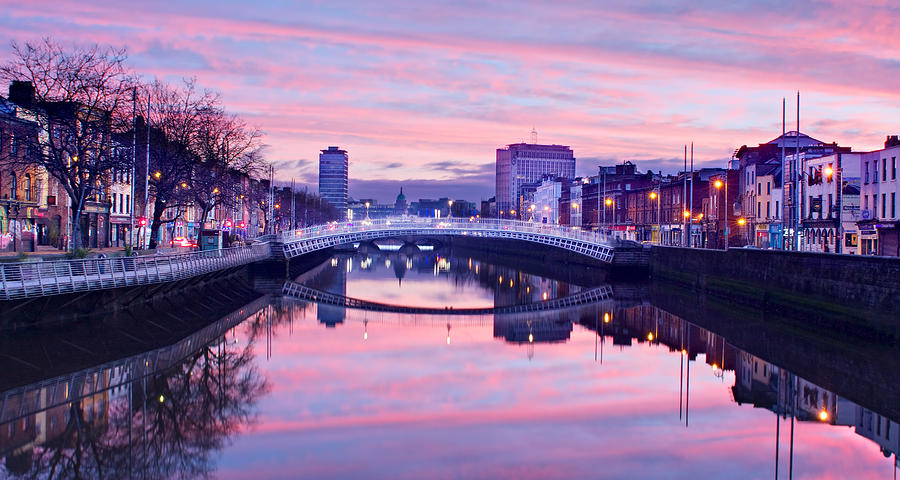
{"type": "Point", "coordinates": [182, 242]}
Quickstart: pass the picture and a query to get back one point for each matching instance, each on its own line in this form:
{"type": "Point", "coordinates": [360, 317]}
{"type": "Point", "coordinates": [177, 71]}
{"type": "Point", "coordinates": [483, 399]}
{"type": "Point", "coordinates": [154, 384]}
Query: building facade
{"type": "Point", "coordinates": [879, 189]}
{"type": "Point", "coordinates": [520, 170]}
{"type": "Point", "coordinates": [334, 166]}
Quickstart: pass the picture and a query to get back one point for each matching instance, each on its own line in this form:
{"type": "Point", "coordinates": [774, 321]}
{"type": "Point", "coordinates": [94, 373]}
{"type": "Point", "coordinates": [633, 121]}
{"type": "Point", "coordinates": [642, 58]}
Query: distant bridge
{"type": "Point", "coordinates": [595, 245]}
{"type": "Point", "coordinates": [302, 292]}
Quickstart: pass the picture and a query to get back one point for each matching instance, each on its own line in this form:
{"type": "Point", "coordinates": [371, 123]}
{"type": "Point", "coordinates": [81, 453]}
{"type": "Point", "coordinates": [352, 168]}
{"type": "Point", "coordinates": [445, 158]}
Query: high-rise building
{"type": "Point", "coordinates": [333, 168]}
{"type": "Point", "coordinates": [520, 169]}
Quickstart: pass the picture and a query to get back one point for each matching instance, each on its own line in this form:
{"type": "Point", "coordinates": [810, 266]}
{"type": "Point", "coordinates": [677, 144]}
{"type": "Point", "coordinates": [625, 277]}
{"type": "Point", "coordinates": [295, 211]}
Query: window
{"type": "Point", "coordinates": [12, 185]}
{"type": "Point", "coordinates": [776, 208]}
{"type": "Point", "coordinates": [874, 205]}
{"type": "Point", "coordinates": [865, 202]}
{"type": "Point", "coordinates": [759, 188]}
{"type": "Point", "coordinates": [127, 203]}
{"type": "Point", "coordinates": [830, 204]}
{"type": "Point", "coordinates": [867, 173]}
{"type": "Point", "coordinates": [768, 188]}
{"type": "Point", "coordinates": [883, 169]}
{"type": "Point", "coordinates": [893, 204]}
{"type": "Point", "coordinates": [27, 187]}
{"type": "Point", "coordinates": [893, 168]}
{"type": "Point", "coordinates": [883, 204]}
{"type": "Point", "coordinates": [121, 203]}
{"type": "Point", "coordinates": [768, 212]}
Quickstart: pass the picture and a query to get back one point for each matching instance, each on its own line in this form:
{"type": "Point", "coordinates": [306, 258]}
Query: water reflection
{"type": "Point", "coordinates": [509, 388]}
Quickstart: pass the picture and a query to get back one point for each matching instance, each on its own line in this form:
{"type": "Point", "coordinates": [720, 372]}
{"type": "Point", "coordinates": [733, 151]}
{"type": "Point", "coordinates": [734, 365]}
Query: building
{"type": "Point", "coordinates": [878, 225]}
{"type": "Point", "coordinates": [333, 178]}
{"type": "Point", "coordinates": [763, 198]}
{"type": "Point", "coordinates": [520, 169]}
{"type": "Point", "coordinates": [546, 201]}
{"type": "Point", "coordinates": [832, 207]}
{"type": "Point", "coordinates": [401, 207]}
{"type": "Point", "coordinates": [797, 170]}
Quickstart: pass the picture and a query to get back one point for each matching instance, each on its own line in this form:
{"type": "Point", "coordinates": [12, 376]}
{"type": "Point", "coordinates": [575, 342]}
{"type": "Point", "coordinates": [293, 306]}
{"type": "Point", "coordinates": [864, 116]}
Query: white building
{"type": "Point", "coordinates": [546, 201]}
{"type": "Point", "coordinates": [878, 225]}
{"type": "Point", "coordinates": [831, 206]}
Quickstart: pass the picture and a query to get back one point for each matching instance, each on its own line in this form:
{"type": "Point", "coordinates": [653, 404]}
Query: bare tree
{"type": "Point", "coordinates": [228, 149]}
{"type": "Point", "coordinates": [80, 97]}
{"type": "Point", "coordinates": [176, 119]}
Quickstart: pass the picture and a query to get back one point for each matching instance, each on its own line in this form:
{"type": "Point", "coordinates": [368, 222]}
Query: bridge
{"type": "Point", "coordinates": [598, 246]}
{"type": "Point", "coordinates": [41, 279]}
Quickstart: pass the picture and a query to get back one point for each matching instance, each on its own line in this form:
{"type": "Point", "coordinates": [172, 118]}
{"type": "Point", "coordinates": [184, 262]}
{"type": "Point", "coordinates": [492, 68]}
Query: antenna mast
{"type": "Point", "coordinates": [533, 136]}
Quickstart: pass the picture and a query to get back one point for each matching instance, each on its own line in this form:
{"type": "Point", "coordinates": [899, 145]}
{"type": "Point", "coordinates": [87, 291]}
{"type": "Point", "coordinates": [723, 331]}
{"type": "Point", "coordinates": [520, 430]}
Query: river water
{"type": "Point", "coordinates": [487, 371]}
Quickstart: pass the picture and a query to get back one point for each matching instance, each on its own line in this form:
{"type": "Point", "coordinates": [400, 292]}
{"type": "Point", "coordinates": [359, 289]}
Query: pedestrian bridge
{"type": "Point", "coordinates": [41, 279]}
{"type": "Point", "coordinates": [595, 245]}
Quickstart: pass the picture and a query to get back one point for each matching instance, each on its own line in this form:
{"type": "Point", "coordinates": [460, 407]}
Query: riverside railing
{"type": "Point", "coordinates": [38, 279]}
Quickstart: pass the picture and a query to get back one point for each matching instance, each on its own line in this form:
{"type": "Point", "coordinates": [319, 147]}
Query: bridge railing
{"type": "Point", "coordinates": [36, 279]}
{"type": "Point", "coordinates": [400, 223]}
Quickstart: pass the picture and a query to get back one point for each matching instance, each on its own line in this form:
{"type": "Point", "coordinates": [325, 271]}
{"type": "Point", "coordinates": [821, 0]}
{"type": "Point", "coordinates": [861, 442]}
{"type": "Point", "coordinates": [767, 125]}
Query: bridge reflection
{"type": "Point", "coordinates": [109, 417]}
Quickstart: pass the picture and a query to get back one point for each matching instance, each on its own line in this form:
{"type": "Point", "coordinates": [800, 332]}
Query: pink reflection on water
{"type": "Point", "coordinates": [404, 404]}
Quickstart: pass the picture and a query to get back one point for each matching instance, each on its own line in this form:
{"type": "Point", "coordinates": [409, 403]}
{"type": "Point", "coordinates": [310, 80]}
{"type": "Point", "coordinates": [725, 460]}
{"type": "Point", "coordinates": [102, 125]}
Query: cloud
{"type": "Point", "coordinates": [428, 91]}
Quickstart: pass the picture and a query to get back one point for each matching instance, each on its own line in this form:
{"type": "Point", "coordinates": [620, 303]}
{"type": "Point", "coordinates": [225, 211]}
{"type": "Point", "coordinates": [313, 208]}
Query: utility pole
{"type": "Point", "coordinates": [293, 222]}
{"type": "Point", "coordinates": [691, 210]}
{"type": "Point", "coordinates": [797, 178]}
{"type": "Point", "coordinates": [147, 172]}
{"type": "Point", "coordinates": [683, 197]}
{"type": "Point", "coordinates": [133, 159]}
{"type": "Point", "coordinates": [270, 228]}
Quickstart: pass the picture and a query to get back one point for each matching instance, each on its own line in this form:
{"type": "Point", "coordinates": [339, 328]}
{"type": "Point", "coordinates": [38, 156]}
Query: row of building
{"type": "Point", "coordinates": [793, 192]}
{"type": "Point", "coordinates": [35, 206]}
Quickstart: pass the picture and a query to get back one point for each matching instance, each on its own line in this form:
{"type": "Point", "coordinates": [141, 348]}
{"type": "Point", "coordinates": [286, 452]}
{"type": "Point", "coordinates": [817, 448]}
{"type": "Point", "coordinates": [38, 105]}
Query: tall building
{"type": "Point", "coordinates": [333, 168]}
{"type": "Point", "coordinates": [520, 169]}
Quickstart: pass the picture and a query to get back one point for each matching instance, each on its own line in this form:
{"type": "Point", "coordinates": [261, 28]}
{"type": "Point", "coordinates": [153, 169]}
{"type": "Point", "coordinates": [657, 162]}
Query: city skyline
{"type": "Point", "coordinates": [424, 96]}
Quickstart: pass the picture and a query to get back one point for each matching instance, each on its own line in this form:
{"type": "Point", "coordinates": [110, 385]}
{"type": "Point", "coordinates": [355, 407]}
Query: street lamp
{"type": "Point", "coordinates": [742, 223]}
{"type": "Point", "coordinates": [656, 196]}
{"type": "Point", "coordinates": [839, 238]}
{"type": "Point", "coordinates": [367, 211]}
{"type": "Point", "coordinates": [719, 184]}
{"type": "Point", "coordinates": [449, 208]}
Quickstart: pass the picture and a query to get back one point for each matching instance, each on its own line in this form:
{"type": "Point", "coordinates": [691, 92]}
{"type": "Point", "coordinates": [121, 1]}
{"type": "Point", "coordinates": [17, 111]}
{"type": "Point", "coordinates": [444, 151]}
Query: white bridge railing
{"type": "Point", "coordinates": [38, 279]}
{"type": "Point", "coordinates": [593, 244]}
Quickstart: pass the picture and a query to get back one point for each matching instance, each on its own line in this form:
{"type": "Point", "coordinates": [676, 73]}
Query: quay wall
{"type": "Point", "coordinates": [863, 290]}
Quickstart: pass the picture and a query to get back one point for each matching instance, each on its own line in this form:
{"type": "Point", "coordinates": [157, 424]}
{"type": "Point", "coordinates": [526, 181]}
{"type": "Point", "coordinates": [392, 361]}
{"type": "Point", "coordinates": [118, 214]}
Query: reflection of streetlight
{"type": "Point", "coordinates": [448, 333]}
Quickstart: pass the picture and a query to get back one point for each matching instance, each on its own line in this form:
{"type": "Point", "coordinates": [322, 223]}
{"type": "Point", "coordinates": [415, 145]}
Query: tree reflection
{"type": "Point", "coordinates": [166, 425]}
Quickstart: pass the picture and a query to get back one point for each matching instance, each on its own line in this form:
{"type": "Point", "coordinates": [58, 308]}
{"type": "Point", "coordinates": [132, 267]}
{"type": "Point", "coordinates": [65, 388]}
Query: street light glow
{"type": "Point", "coordinates": [608, 201]}
{"type": "Point", "coordinates": [741, 221]}
{"type": "Point", "coordinates": [718, 184]}
{"type": "Point", "coordinates": [823, 415]}
{"type": "Point", "coordinates": [829, 172]}
{"type": "Point", "coordinates": [652, 195]}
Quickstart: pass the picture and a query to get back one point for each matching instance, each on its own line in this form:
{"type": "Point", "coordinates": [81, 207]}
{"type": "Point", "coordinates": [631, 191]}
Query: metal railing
{"type": "Point", "coordinates": [38, 279]}
{"type": "Point", "coordinates": [594, 244]}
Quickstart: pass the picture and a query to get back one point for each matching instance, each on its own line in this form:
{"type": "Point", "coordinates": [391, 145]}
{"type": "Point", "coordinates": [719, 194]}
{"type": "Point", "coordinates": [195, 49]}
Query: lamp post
{"type": "Point", "coordinates": [743, 224]}
{"type": "Point", "coordinates": [719, 184]}
{"type": "Point", "coordinates": [829, 172]}
{"type": "Point", "coordinates": [574, 211]}
{"type": "Point", "coordinates": [608, 203]}
{"type": "Point", "coordinates": [367, 211]}
{"type": "Point", "coordinates": [656, 196]}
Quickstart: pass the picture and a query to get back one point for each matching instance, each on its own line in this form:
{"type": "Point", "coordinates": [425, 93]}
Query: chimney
{"type": "Point", "coordinates": [892, 141]}
{"type": "Point", "coordinates": [21, 93]}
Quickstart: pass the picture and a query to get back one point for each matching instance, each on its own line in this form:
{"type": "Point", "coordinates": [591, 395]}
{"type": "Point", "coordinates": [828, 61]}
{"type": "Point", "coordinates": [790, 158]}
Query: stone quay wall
{"type": "Point", "coordinates": [858, 287]}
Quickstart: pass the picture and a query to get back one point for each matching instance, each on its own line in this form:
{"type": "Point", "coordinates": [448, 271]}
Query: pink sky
{"type": "Point", "coordinates": [421, 94]}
